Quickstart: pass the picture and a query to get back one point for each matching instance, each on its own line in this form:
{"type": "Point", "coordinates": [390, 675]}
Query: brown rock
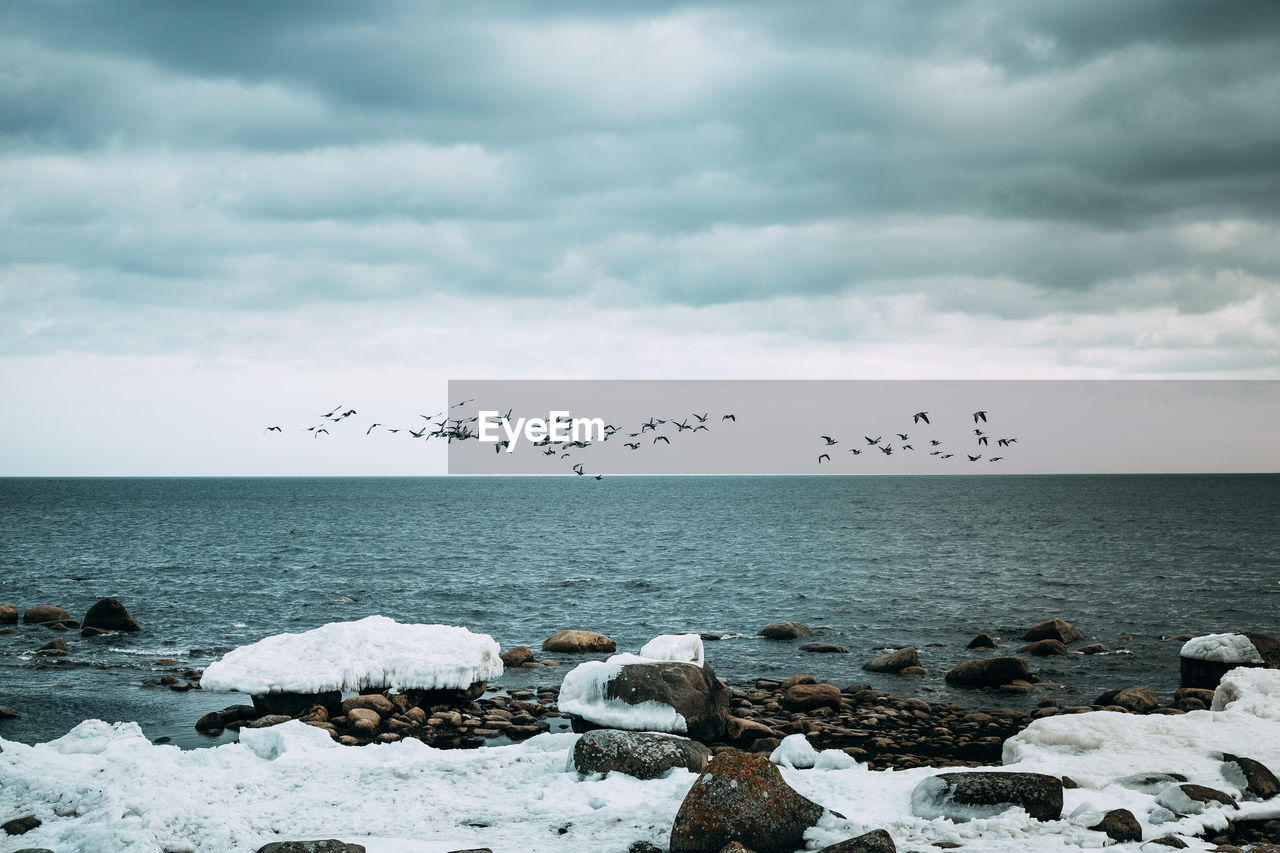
{"type": "Point", "coordinates": [1170, 841]}
{"type": "Point", "coordinates": [109, 614]}
{"type": "Point", "coordinates": [517, 656]}
{"type": "Point", "coordinates": [292, 704]}
{"type": "Point", "coordinates": [364, 721]}
{"type": "Point", "coordinates": [1053, 629]}
{"type": "Point", "coordinates": [268, 721]}
{"type": "Point", "coordinates": [58, 645]}
{"type": "Point", "coordinates": [1094, 649]}
{"type": "Point", "coordinates": [644, 755]}
{"type": "Point", "coordinates": [824, 648]}
{"type": "Point", "coordinates": [694, 691]}
{"type": "Point", "coordinates": [796, 679]}
{"type": "Point", "coordinates": [876, 841]}
{"type": "Point", "coordinates": [1259, 783]}
{"type": "Point", "coordinates": [990, 672]}
{"type": "Point", "coordinates": [1120, 825]}
{"type": "Point", "coordinates": [742, 797]}
{"type": "Point", "coordinates": [8, 614]}
{"type": "Point", "coordinates": [20, 825]}
{"type": "Point", "coordinates": [806, 697]}
{"type": "Point", "coordinates": [1043, 648]}
{"type": "Point", "coordinates": [914, 670]}
{"type": "Point", "coordinates": [785, 631]}
{"type": "Point", "coordinates": [43, 613]}
{"type": "Point", "coordinates": [375, 702]}
{"type": "Point", "coordinates": [953, 794]}
{"type": "Point", "coordinates": [579, 641]}
{"type": "Point", "coordinates": [1139, 700]}
{"type": "Point", "coordinates": [741, 731]}
{"type": "Point", "coordinates": [894, 661]}
{"type": "Point", "coordinates": [982, 641]}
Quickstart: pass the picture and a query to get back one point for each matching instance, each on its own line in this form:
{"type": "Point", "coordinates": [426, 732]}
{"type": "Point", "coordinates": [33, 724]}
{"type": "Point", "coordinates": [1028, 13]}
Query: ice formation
{"type": "Point", "coordinates": [349, 656]}
{"type": "Point", "coordinates": [1225, 648]}
{"type": "Point", "coordinates": [685, 648]}
{"type": "Point", "coordinates": [584, 694]}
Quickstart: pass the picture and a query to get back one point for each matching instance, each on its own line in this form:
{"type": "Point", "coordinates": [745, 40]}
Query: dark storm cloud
{"type": "Point", "coordinates": [988, 159]}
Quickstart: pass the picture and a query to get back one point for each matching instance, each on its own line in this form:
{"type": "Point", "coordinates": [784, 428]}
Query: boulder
{"type": "Point", "coordinates": [894, 661]}
{"type": "Point", "coordinates": [7, 713]}
{"type": "Point", "coordinates": [579, 641]}
{"type": "Point", "coordinates": [518, 656]}
{"type": "Point", "coordinates": [1254, 778]}
{"type": "Point", "coordinates": [58, 645]}
{"type": "Point", "coordinates": [376, 702]}
{"type": "Point", "coordinates": [109, 615]}
{"type": "Point", "coordinates": [364, 721]}
{"type": "Point", "coordinates": [1169, 841]}
{"type": "Point", "coordinates": [20, 825]}
{"type": "Point", "coordinates": [329, 845]}
{"type": "Point", "coordinates": [962, 796]}
{"type": "Point", "coordinates": [43, 613]}
{"type": "Point", "coordinates": [445, 695]}
{"type": "Point", "coordinates": [8, 614]}
{"type": "Point", "coordinates": [1120, 825]}
{"type": "Point", "coordinates": [876, 841]}
{"type": "Point", "coordinates": [1094, 649]}
{"type": "Point", "coordinates": [990, 672]}
{"type": "Point", "coordinates": [1193, 799]}
{"type": "Point", "coordinates": [824, 648]}
{"type": "Point", "coordinates": [1205, 673]}
{"type": "Point", "coordinates": [785, 631]}
{"type": "Point", "coordinates": [693, 691]}
{"type": "Point", "coordinates": [1053, 629]}
{"type": "Point", "coordinates": [292, 704]}
{"type": "Point", "coordinates": [806, 697]}
{"type": "Point", "coordinates": [1044, 648]}
{"type": "Point", "coordinates": [742, 797]}
{"type": "Point", "coordinates": [1139, 700]}
{"type": "Point", "coordinates": [743, 731]}
{"type": "Point", "coordinates": [644, 755]}
{"type": "Point", "coordinates": [982, 641]}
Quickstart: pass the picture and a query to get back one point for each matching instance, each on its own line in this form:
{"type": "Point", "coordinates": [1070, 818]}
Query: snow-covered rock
{"type": "Point", "coordinates": [686, 648]}
{"type": "Point", "coordinates": [350, 656]}
{"type": "Point", "coordinates": [1225, 648]}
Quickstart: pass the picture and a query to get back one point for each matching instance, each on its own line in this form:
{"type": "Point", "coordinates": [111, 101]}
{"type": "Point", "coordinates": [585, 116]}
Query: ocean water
{"type": "Point", "coordinates": [209, 564]}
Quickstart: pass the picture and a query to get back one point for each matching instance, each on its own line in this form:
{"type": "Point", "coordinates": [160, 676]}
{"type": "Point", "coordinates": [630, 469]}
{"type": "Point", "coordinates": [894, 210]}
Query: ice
{"type": "Point", "coordinates": [583, 693]}
{"type": "Point", "coordinates": [1226, 648]}
{"type": "Point", "coordinates": [349, 656]}
{"type": "Point", "coordinates": [794, 751]}
{"type": "Point", "coordinates": [685, 648]}
{"type": "Point", "coordinates": [1249, 690]}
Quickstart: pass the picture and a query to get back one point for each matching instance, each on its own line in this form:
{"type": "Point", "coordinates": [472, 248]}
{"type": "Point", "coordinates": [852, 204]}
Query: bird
{"type": "Point", "coordinates": [599, 476]}
{"type": "Point", "coordinates": [920, 416]}
{"type": "Point", "coordinates": [871, 440]}
{"type": "Point", "coordinates": [1005, 442]}
{"type": "Point", "coordinates": [887, 450]}
{"type": "Point", "coordinates": [729, 417]}
{"type": "Point", "coordinates": [550, 451]}
{"type": "Point", "coordinates": [333, 412]}
{"type": "Point", "coordinates": [907, 447]}
{"type": "Point", "coordinates": [979, 416]}
{"type": "Point", "coordinates": [273, 429]}
{"type": "Point", "coordinates": [934, 442]}
{"type": "Point", "coordinates": [974, 458]}
{"type": "Point", "coordinates": [633, 445]}
{"type": "Point", "coordinates": [995, 458]}
{"type": "Point", "coordinates": [702, 419]}
{"type": "Point", "coordinates": [823, 456]}
{"type": "Point", "coordinates": [463, 403]}
{"type": "Point", "coordinates": [371, 427]}
{"type": "Point", "coordinates": [828, 439]}
{"type": "Point", "coordinates": [855, 451]}
{"type": "Point", "coordinates": [982, 439]}
{"type": "Point", "coordinates": [947, 455]}
{"type": "Point", "coordinates": [661, 438]}
{"type": "Point", "coordinates": [902, 435]}
{"type": "Point", "coordinates": [577, 469]}
{"type": "Point", "coordinates": [321, 430]}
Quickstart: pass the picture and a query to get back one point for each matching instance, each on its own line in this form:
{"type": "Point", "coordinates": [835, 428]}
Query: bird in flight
{"type": "Point", "coordinates": [828, 439]}
{"type": "Point", "coordinates": [1005, 442]}
{"type": "Point", "coordinates": [979, 416]}
{"type": "Point", "coordinates": [577, 469]}
{"type": "Point", "coordinates": [823, 456]}
{"type": "Point", "coordinates": [995, 458]}
{"type": "Point", "coordinates": [633, 445]}
{"type": "Point", "coordinates": [974, 458]}
{"type": "Point", "coordinates": [729, 417]}
{"type": "Point", "coordinates": [463, 403]}
{"type": "Point", "coordinates": [273, 429]}
{"type": "Point", "coordinates": [902, 435]}
{"type": "Point", "coordinates": [661, 438]}
{"type": "Point", "coordinates": [316, 434]}
{"type": "Point", "coordinates": [920, 416]}
{"type": "Point", "coordinates": [871, 440]}
{"type": "Point", "coordinates": [982, 439]}
{"type": "Point", "coordinates": [887, 450]}
{"type": "Point", "coordinates": [702, 419]}
{"type": "Point", "coordinates": [371, 428]}
{"type": "Point", "coordinates": [855, 451]}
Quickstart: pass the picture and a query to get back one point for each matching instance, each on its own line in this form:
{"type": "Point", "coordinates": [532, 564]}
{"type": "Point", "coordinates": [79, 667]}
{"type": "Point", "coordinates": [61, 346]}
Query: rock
{"type": "Point", "coordinates": [824, 648]}
{"type": "Point", "coordinates": [794, 680]}
{"type": "Point", "coordinates": [292, 704]}
{"type": "Point", "coordinates": [894, 661]}
{"type": "Point", "coordinates": [1256, 779]}
{"type": "Point", "coordinates": [913, 670]}
{"type": "Point", "coordinates": [8, 614]}
{"type": "Point", "coordinates": [742, 797]}
{"type": "Point", "coordinates": [330, 845]}
{"type": "Point", "coordinates": [375, 702]}
{"type": "Point", "coordinates": [806, 697]}
{"type": "Point", "coordinates": [268, 721]}
{"type": "Point", "coordinates": [1054, 629]}
{"type": "Point", "coordinates": [7, 713]}
{"type": "Point", "coordinates": [58, 645]}
{"type": "Point", "coordinates": [644, 755]}
{"type": "Point", "coordinates": [210, 723]}
{"type": "Point", "coordinates": [735, 847]}
{"type": "Point", "coordinates": [1192, 799]}
{"type": "Point", "coordinates": [20, 825]}
{"type": "Point", "coordinates": [643, 847]}
{"type": "Point", "coordinates": [109, 614]}
{"type": "Point", "coordinates": [1094, 649]}
{"type": "Point", "coordinates": [694, 691]}
{"type": "Point", "coordinates": [1120, 825]}
{"type": "Point", "coordinates": [364, 721]}
{"type": "Point", "coordinates": [1169, 841]}
{"type": "Point", "coordinates": [990, 672]}
{"type": "Point", "coordinates": [982, 641]}
{"type": "Point", "coordinates": [785, 631]}
{"type": "Point", "coordinates": [1139, 700]}
{"type": "Point", "coordinates": [578, 641]}
{"type": "Point", "coordinates": [1207, 673]}
{"type": "Point", "coordinates": [1044, 648]}
{"type": "Point", "coordinates": [43, 613]}
{"type": "Point", "coordinates": [876, 841]}
{"type": "Point", "coordinates": [1205, 696]}
{"type": "Point", "coordinates": [742, 731]}
{"type": "Point", "coordinates": [961, 796]}
{"type": "Point", "coordinates": [517, 656]}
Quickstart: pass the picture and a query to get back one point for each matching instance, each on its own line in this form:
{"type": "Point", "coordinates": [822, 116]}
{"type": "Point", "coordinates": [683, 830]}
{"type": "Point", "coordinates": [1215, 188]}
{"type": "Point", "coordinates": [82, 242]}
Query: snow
{"type": "Point", "coordinates": [106, 787]}
{"type": "Point", "coordinates": [583, 693]}
{"type": "Point", "coordinates": [685, 648]}
{"type": "Point", "coordinates": [1225, 648]}
{"type": "Point", "coordinates": [350, 656]}
{"type": "Point", "coordinates": [796, 752]}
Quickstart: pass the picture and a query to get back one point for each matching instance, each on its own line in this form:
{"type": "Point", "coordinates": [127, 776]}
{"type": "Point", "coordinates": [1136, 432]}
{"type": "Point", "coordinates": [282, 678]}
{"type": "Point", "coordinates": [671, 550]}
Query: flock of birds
{"type": "Point", "coordinates": [443, 426]}
{"type": "Point", "coordinates": [936, 448]}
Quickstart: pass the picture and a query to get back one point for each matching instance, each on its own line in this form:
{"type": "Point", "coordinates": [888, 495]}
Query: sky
{"type": "Point", "coordinates": [219, 217]}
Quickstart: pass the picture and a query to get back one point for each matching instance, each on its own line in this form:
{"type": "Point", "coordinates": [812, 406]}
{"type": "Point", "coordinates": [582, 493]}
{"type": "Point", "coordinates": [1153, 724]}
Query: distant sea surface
{"type": "Point", "coordinates": [206, 565]}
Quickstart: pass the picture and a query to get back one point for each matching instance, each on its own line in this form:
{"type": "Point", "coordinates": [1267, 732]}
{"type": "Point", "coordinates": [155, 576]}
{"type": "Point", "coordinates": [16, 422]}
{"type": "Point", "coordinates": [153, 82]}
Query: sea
{"type": "Point", "coordinates": [870, 563]}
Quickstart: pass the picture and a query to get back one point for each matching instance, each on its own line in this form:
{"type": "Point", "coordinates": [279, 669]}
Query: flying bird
{"type": "Point", "coordinates": [633, 446]}
{"type": "Point", "coordinates": [871, 440]}
{"type": "Point", "coordinates": [920, 416]}
{"type": "Point", "coordinates": [823, 456]}
{"type": "Point", "coordinates": [982, 439]}
{"type": "Point", "coordinates": [828, 439]}
{"type": "Point", "coordinates": [729, 417]}
{"type": "Point", "coordinates": [974, 458]}
{"type": "Point", "coordinates": [273, 429]}
{"type": "Point", "coordinates": [661, 438]}
{"type": "Point", "coordinates": [371, 427]}
{"type": "Point", "coordinates": [887, 450]}
{"type": "Point", "coordinates": [902, 435]}
{"type": "Point", "coordinates": [979, 416]}
{"type": "Point", "coordinates": [855, 451]}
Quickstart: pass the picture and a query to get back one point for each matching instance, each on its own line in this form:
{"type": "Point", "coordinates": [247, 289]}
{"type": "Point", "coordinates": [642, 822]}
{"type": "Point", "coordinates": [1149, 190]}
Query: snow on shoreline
{"type": "Point", "coordinates": [1224, 648]}
{"type": "Point", "coordinates": [106, 787]}
{"type": "Point", "coordinates": [350, 656]}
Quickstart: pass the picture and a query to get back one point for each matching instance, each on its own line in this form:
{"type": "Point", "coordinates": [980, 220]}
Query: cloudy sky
{"type": "Point", "coordinates": [215, 217]}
